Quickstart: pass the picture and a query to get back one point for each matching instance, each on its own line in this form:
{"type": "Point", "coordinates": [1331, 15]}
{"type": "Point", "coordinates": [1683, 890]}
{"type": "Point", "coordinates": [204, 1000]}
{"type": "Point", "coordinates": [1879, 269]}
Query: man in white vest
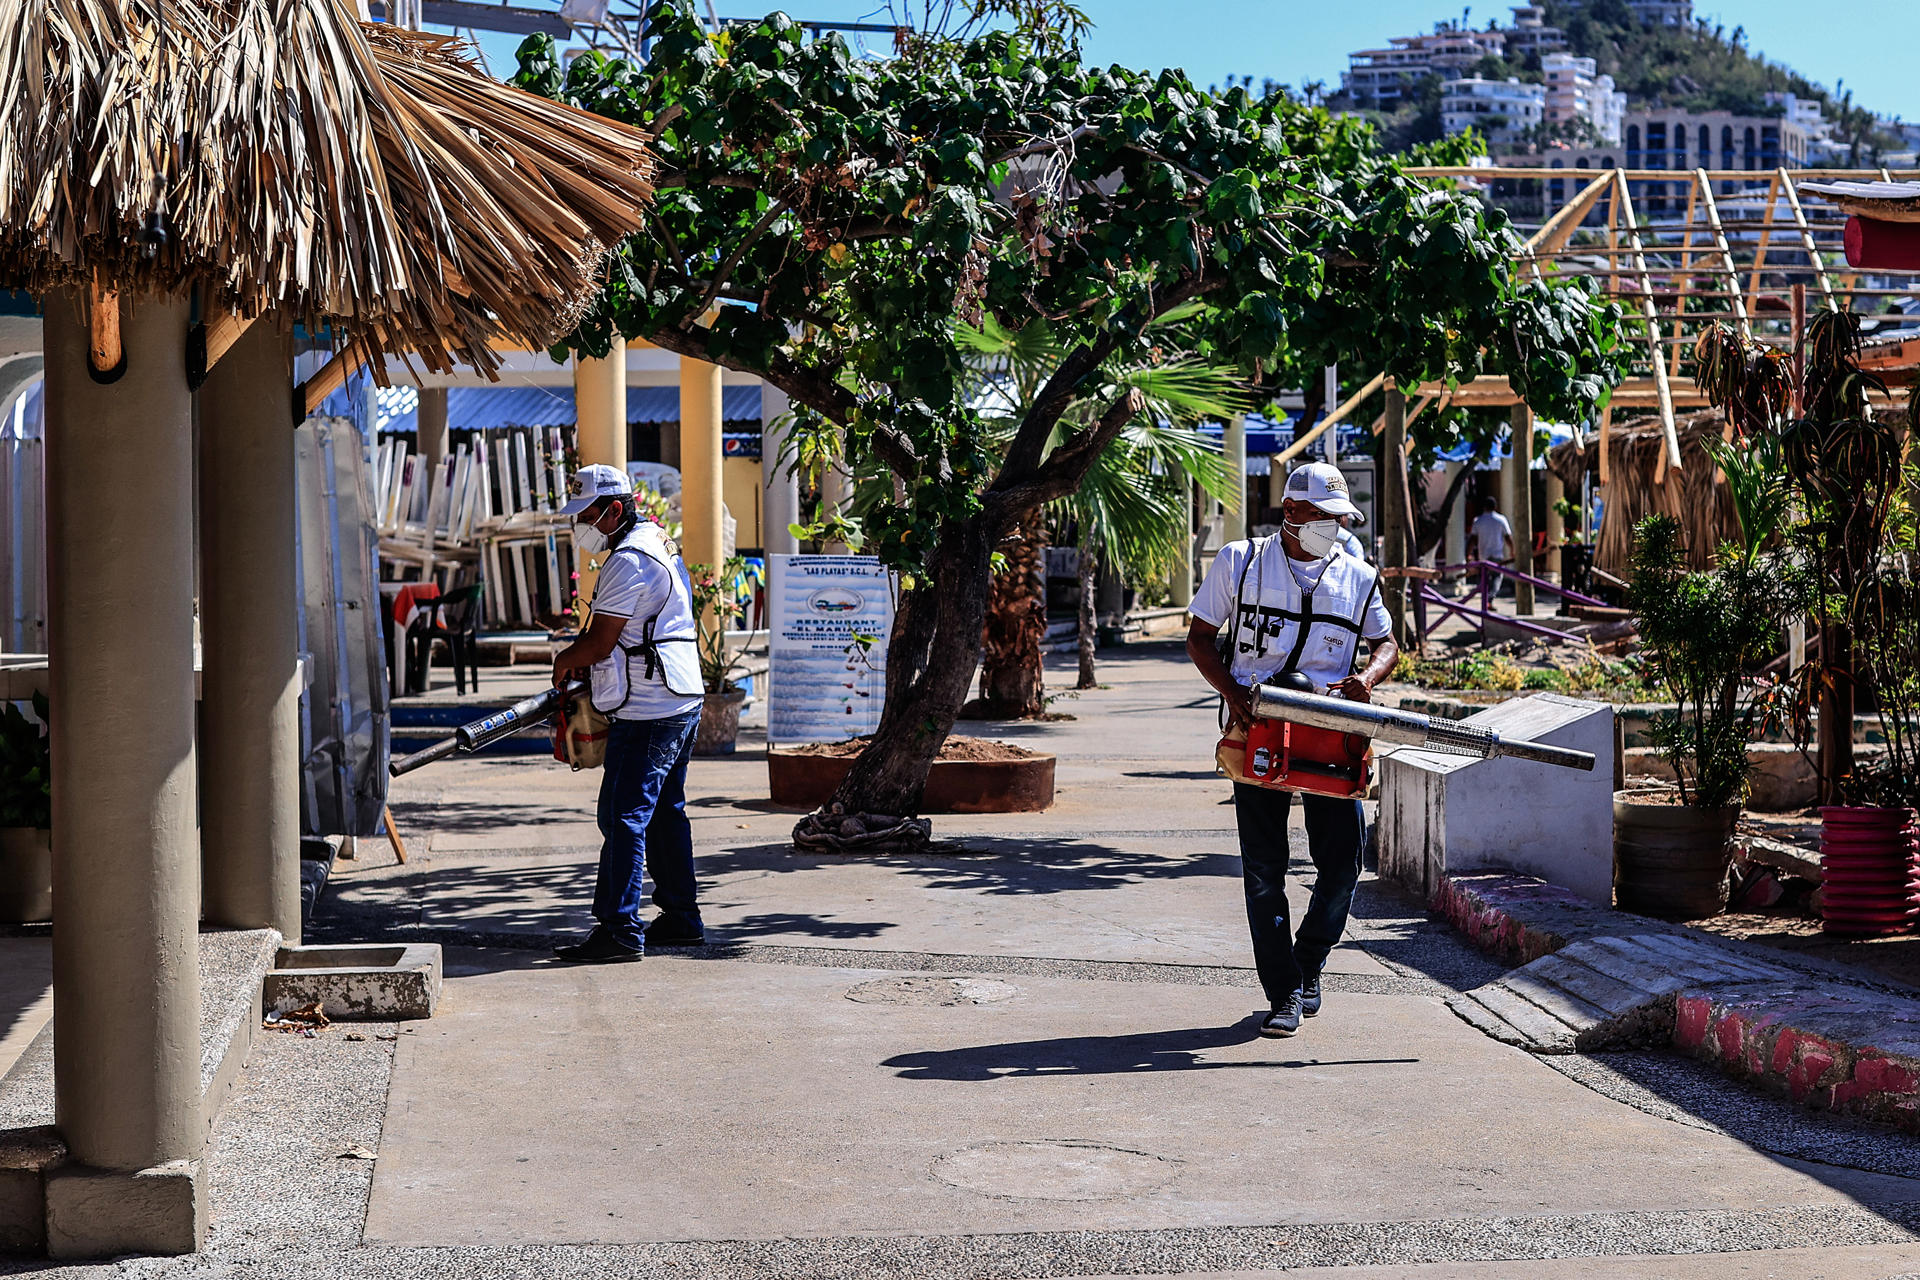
{"type": "Point", "coordinates": [1294, 602]}
{"type": "Point", "coordinates": [640, 657]}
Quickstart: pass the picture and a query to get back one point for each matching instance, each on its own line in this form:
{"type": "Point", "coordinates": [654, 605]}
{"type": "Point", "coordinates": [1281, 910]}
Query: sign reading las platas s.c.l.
{"type": "Point", "coordinates": [831, 616]}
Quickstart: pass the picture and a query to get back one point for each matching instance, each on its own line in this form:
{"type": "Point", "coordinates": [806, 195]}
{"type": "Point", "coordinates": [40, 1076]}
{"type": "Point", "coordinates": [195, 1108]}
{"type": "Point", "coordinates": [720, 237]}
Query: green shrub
{"type": "Point", "coordinates": [26, 771]}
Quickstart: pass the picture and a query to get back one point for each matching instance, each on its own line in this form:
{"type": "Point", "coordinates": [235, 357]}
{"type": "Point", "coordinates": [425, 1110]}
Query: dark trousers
{"type": "Point", "coordinates": [1334, 838]}
{"type": "Point", "coordinates": [643, 823]}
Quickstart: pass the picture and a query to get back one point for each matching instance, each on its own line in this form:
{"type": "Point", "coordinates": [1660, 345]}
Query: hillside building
{"type": "Point", "coordinates": [1576, 91]}
{"type": "Point", "coordinates": [1383, 78]}
{"type": "Point", "coordinates": [1663, 13]}
{"type": "Point", "coordinates": [1503, 111]}
{"type": "Point", "coordinates": [1530, 36]}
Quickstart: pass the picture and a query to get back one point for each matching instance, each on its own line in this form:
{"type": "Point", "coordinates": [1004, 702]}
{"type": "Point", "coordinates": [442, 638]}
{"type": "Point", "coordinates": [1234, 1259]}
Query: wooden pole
{"type": "Point", "coordinates": [1392, 489]}
{"type": "Point", "coordinates": [1520, 460]}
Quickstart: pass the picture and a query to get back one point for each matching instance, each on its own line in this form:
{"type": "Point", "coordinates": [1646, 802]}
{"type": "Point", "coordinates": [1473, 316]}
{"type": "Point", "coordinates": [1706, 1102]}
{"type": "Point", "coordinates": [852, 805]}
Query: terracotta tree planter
{"type": "Point", "coordinates": [719, 723]}
{"type": "Point", "coordinates": [1671, 861]}
{"type": "Point", "coordinates": [26, 875]}
{"type": "Point", "coordinates": [801, 780]}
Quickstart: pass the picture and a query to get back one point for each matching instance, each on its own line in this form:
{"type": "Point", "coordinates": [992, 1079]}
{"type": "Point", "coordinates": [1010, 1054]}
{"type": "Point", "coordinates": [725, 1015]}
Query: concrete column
{"type": "Point", "coordinates": [430, 429]}
{"type": "Point", "coordinates": [1181, 587]}
{"type": "Point", "coordinates": [126, 879]}
{"type": "Point", "coordinates": [782, 486]}
{"type": "Point", "coordinates": [1331, 440]}
{"type": "Point", "coordinates": [701, 508]}
{"type": "Point", "coordinates": [1520, 513]}
{"type": "Point", "coordinates": [1556, 525]}
{"type": "Point", "coordinates": [1455, 550]}
{"type": "Point", "coordinates": [600, 400]}
{"type": "Point", "coordinates": [600, 406]}
{"type": "Point", "coordinates": [249, 634]}
{"type": "Point", "coordinates": [1236, 444]}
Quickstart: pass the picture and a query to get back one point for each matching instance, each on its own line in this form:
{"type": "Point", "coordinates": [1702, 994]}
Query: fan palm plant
{"type": "Point", "coordinates": [1133, 507]}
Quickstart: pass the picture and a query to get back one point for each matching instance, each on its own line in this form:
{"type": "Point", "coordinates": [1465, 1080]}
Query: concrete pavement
{"type": "Point", "coordinates": [1030, 1053]}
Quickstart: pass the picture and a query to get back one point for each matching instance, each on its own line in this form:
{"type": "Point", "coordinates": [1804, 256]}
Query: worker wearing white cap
{"type": "Point", "coordinates": [1294, 604]}
{"type": "Point", "coordinates": [640, 658]}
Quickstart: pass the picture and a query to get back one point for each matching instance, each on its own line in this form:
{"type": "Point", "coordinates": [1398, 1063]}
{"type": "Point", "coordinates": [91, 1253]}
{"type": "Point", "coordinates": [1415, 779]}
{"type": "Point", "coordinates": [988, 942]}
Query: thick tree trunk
{"type": "Point", "coordinates": [1089, 629]}
{"type": "Point", "coordinates": [1012, 678]}
{"type": "Point", "coordinates": [931, 658]}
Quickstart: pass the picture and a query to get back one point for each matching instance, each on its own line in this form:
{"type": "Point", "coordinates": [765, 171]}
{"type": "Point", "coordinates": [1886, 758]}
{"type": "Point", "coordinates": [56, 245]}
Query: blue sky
{"type": "Point", "coordinates": [1869, 43]}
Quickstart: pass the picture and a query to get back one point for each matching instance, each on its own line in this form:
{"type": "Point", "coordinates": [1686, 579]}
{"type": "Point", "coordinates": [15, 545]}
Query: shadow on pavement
{"type": "Point", "coordinates": [794, 922]}
{"type": "Point", "coordinates": [999, 864]}
{"type": "Point", "coordinates": [1177, 1050]}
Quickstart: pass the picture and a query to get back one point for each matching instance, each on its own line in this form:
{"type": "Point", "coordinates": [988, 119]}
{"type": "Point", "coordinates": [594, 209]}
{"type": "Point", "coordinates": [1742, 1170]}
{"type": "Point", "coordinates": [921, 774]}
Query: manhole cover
{"type": "Point", "coordinates": [925, 990]}
{"type": "Point", "coordinates": [1055, 1170]}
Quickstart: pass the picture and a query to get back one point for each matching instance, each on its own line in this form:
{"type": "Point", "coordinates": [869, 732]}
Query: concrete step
{"type": "Point", "coordinates": [1605, 991]}
{"type": "Point", "coordinates": [233, 965]}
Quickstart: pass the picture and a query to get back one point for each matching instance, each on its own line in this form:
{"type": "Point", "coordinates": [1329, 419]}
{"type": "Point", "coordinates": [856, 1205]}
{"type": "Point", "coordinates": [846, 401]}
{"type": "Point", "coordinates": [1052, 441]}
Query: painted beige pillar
{"type": "Point", "coordinates": [1520, 513]}
{"type": "Point", "coordinates": [126, 880]}
{"type": "Point", "coordinates": [776, 475]}
{"type": "Point", "coordinates": [1236, 448]}
{"type": "Point", "coordinates": [600, 430]}
{"type": "Point", "coordinates": [1556, 525]}
{"type": "Point", "coordinates": [249, 637]}
{"type": "Point", "coordinates": [701, 508]}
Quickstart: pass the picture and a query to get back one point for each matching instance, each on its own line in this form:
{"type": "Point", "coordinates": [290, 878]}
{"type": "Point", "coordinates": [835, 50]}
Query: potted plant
{"type": "Point", "coordinates": [1843, 468]}
{"type": "Point", "coordinates": [719, 600]}
{"type": "Point", "coordinates": [1703, 631]}
{"type": "Point", "coordinates": [26, 814]}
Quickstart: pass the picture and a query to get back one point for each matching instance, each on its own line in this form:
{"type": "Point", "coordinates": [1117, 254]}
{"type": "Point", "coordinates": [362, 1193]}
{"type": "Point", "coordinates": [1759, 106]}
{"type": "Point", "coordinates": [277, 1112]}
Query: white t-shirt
{"type": "Point", "coordinates": [1322, 661]}
{"type": "Point", "coordinates": [639, 587]}
{"type": "Point", "coordinates": [1495, 535]}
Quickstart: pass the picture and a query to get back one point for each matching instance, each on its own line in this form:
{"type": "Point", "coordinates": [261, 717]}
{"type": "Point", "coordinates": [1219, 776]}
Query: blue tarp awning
{"type": "Point", "coordinates": [483, 408]}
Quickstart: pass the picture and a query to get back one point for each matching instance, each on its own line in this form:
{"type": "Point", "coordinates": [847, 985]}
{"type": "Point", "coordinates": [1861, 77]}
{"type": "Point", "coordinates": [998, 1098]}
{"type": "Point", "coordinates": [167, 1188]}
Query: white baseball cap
{"type": "Point", "coordinates": [592, 483]}
{"type": "Point", "coordinates": [1321, 484]}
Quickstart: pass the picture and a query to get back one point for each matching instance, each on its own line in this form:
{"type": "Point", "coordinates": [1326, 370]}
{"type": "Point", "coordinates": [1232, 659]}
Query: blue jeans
{"type": "Point", "coordinates": [1334, 838]}
{"type": "Point", "coordinates": [643, 822]}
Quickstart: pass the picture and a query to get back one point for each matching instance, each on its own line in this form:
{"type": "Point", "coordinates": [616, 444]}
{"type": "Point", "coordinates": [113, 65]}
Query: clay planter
{"type": "Point", "coordinates": [803, 781]}
{"type": "Point", "coordinates": [1671, 861]}
{"type": "Point", "coordinates": [719, 723]}
{"type": "Point", "coordinates": [26, 875]}
{"type": "Point", "coordinates": [1870, 870]}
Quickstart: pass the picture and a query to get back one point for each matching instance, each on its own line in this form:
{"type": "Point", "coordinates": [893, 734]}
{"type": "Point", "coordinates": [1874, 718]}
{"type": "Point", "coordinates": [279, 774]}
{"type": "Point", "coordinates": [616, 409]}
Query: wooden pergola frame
{"type": "Point", "coordinates": [1676, 273]}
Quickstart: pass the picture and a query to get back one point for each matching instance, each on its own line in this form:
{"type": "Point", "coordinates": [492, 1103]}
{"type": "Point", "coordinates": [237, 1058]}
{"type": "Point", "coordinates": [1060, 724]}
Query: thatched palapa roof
{"type": "Point", "coordinates": [347, 173]}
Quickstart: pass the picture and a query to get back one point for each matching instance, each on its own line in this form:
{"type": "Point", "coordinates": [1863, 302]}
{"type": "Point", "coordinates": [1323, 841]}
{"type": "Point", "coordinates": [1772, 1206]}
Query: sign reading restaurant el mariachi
{"type": "Point", "coordinates": [831, 619]}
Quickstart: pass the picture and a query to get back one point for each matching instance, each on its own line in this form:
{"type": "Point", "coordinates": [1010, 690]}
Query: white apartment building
{"type": "Point", "coordinates": [1501, 110]}
{"type": "Point", "coordinates": [1383, 77]}
{"type": "Point", "coordinates": [1576, 91]}
{"type": "Point", "coordinates": [1670, 13]}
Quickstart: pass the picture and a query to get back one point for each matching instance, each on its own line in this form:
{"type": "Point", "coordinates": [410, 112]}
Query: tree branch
{"type": "Point", "coordinates": [811, 388]}
{"type": "Point", "coordinates": [725, 272]}
{"type": "Point", "coordinates": [1065, 467]}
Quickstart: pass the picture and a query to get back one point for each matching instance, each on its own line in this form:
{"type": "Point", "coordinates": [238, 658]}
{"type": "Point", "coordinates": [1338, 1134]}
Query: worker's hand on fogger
{"type": "Point", "coordinates": [1240, 706]}
{"type": "Point", "coordinates": [1353, 689]}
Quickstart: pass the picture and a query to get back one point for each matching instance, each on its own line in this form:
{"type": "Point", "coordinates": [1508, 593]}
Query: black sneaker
{"type": "Point", "coordinates": [1310, 996]}
{"type": "Point", "coordinates": [599, 948]}
{"type": "Point", "coordinates": [675, 931]}
{"type": "Point", "coordinates": [1285, 1020]}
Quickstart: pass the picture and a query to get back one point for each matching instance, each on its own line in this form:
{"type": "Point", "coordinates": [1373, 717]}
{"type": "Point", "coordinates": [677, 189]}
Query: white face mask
{"type": "Point", "coordinates": [588, 540]}
{"type": "Point", "coordinates": [1316, 537]}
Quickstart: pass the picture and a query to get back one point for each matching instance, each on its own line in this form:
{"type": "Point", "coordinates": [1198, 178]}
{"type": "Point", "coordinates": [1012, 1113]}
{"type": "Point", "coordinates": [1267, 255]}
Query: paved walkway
{"type": "Point", "coordinates": [1029, 1053]}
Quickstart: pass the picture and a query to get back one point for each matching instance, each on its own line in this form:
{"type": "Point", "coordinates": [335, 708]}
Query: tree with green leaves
{"type": "Point", "coordinates": [822, 220]}
{"type": "Point", "coordinates": [1132, 506]}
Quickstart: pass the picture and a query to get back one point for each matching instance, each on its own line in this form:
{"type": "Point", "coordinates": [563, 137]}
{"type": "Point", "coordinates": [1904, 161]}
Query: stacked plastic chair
{"type": "Point", "coordinates": [1870, 860]}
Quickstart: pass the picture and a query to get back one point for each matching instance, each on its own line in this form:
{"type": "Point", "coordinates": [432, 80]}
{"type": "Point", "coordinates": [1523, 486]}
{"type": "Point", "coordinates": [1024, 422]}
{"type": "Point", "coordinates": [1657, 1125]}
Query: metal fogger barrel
{"type": "Point", "coordinates": [1385, 724]}
{"type": "Point", "coordinates": [477, 734]}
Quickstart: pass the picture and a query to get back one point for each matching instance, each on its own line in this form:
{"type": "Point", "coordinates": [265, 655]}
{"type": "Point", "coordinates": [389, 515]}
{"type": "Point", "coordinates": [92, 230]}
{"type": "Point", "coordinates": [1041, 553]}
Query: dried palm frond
{"type": "Point", "coordinates": [300, 161]}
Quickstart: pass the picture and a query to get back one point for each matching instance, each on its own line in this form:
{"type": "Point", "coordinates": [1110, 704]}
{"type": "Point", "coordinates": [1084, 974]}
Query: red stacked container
{"type": "Point", "coordinates": [1870, 860]}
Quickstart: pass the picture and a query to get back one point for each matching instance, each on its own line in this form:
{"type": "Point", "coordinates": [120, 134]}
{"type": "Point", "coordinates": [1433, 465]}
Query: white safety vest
{"type": "Point", "coordinates": [1276, 627]}
{"type": "Point", "coordinates": [667, 653]}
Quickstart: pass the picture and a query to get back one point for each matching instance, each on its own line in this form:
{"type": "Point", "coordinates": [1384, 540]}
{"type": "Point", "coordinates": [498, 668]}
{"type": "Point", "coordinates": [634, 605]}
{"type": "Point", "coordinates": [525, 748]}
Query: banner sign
{"type": "Point", "coordinates": [831, 619]}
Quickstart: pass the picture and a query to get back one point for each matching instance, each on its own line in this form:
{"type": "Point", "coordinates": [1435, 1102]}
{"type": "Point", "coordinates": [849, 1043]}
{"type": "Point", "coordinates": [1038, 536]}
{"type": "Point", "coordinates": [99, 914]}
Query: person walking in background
{"type": "Point", "coordinates": [644, 670]}
{"type": "Point", "coordinates": [1491, 538]}
{"type": "Point", "coordinates": [1294, 602]}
